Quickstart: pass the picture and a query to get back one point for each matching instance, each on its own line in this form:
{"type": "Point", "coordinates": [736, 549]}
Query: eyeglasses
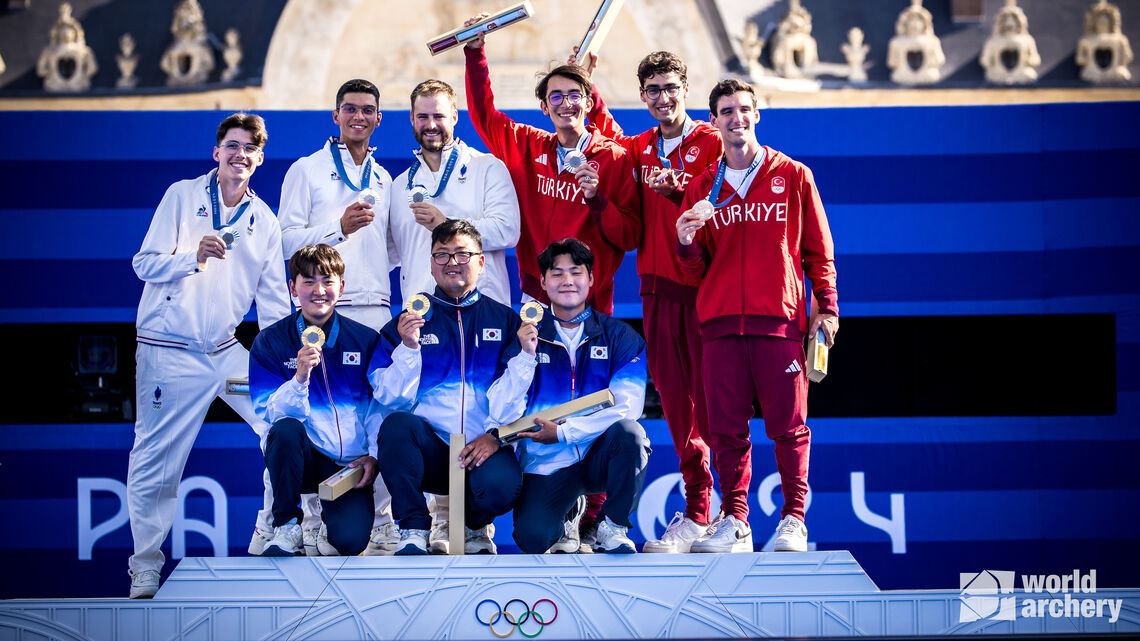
{"type": "Point", "coordinates": [461, 258]}
{"type": "Point", "coordinates": [232, 146]}
{"type": "Point", "coordinates": [572, 98]}
{"type": "Point", "coordinates": [349, 109]}
{"type": "Point", "coordinates": [653, 92]}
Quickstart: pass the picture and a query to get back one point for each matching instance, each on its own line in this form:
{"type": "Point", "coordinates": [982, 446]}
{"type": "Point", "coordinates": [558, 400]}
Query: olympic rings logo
{"type": "Point", "coordinates": [516, 620]}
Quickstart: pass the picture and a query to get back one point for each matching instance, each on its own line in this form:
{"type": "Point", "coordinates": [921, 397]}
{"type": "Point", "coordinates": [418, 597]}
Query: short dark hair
{"type": "Point", "coordinates": [316, 260]}
{"type": "Point", "coordinates": [574, 73]}
{"type": "Point", "coordinates": [660, 63]}
{"type": "Point", "coordinates": [357, 85]}
{"type": "Point", "coordinates": [578, 251]}
{"type": "Point", "coordinates": [728, 88]}
{"type": "Point", "coordinates": [431, 88]}
{"type": "Point", "coordinates": [451, 228]}
{"type": "Point", "coordinates": [249, 122]}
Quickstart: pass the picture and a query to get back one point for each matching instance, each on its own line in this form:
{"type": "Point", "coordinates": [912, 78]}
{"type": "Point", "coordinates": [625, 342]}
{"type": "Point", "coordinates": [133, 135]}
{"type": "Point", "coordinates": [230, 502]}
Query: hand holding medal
{"type": "Point", "coordinates": [692, 220]}
{"type": "Point", "coordinates": [410, 323]}
{"type": "Point", "coordinates": [531, 315]}
{"type": "Point", "coordinates": [309, 356]}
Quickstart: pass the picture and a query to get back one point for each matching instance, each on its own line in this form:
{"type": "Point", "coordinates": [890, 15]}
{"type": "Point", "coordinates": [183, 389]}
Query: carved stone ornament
{"type": "Point", "coordinates": [751, 46]}
{"type": "Point", "coordinates": [856, 53]}
{"type": "Point", "coordinates": [232, 55]}
{"type": "Point", "coordinates": [915, 53]}
{"type": "Point", "coordinates": [1103, 53]}
{"type": "Point", "coordinates": [189, 60]}
{"type": "Point", "coordinates": [793, 48]}
{"type": "Point", "coordinates": [128, 61]}
{"type": "Point", "coordinates": [67, 64]}
{"type": "Point", "coordinates": [1010, 54]}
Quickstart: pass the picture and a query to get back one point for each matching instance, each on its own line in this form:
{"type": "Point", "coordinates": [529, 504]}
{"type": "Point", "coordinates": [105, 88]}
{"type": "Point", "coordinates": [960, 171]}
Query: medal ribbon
{"type": "Point", "coordinates": [365, 176]}
{"type": "Point", "coordinates": [451, 160]}
{"type": "Point", "coordinates": [720, 180]}
{"type": "Point", "coordinates": [330, 340]}
{"type": "Point", "coordinates": [583, 315]}
{"type": "Point", "coordinates": [216, 207]}
{"type": "Point", "coordinates": [581, 146]}
{"type": "Point", "coordinates": [685, 129]}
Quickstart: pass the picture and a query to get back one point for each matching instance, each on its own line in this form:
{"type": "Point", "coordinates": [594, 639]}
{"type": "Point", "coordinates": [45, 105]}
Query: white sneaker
{"type": "Point", "coordinates": [612, 539]}
{"type": "Point", "coordinates": [570, 543]}
{"type": "Point", "coordinates": [144, 584]}
{"type": "Point", "coordinates": [729, 534]}
{"type": "Point", "coordinates": [286, 541]}
{"type": "Point", "coordinates": [316, 542]}
{"type": "Point", "coordinates": [479, 541]}
{"type": "Point", "coordinates": [678, 538]}
{"type": "Point", "coordinates": [383, 540]}
{"type": "Point", "coordinates": [791, 535]}
{"type": "Point", "coordinates": [412, 542]}
{"type": "Point", "coordinates": [438, 540]}
{"type": "Point", "coordinates": [259, 540]}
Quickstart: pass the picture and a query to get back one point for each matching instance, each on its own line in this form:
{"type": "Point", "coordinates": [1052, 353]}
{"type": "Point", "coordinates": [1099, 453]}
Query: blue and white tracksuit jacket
{"type": "Point", "coordinates": [453, 380]}
{"type": "Point", "coordinates": [343, 428]}
{"type": "Point", "coordinates": [611, 355]}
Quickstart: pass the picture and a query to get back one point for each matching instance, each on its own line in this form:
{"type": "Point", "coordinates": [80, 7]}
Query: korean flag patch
{"type": "Point", "coordinates": [350, 358]}
{"type": "Point", "coordinates": [600, 352]}
{"type": "Point", "coordinates": [492, 334]}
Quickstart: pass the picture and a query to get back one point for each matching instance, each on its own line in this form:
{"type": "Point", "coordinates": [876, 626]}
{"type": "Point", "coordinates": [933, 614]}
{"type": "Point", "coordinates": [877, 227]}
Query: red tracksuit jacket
{"type": "Point", "coordinates": [551, 204]}
{"type": "Point", "coordinates": [657, 261]}
{"type": "Point", "coordinates": [754, 252]}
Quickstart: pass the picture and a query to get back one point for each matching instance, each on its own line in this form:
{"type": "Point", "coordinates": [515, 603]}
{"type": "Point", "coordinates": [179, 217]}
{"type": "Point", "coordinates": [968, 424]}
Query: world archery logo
{"type": "Point", "coordinates": [157, 402]}
{"type": "Point", "coordinates": [527, 620]}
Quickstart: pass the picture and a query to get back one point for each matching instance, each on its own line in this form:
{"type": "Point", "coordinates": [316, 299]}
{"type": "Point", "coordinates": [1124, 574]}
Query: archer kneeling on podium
{"type": "Point", "coordinates": [308, 381]}
{"type": "Point", "coordinates": [441, 369]}
{"type": "Point", "coordinates": [580, 351]}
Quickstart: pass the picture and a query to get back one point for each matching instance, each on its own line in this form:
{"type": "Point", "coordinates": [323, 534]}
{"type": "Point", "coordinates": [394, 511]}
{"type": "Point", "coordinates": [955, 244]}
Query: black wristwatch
{"type": "Point", "coordinates": [494, 432]}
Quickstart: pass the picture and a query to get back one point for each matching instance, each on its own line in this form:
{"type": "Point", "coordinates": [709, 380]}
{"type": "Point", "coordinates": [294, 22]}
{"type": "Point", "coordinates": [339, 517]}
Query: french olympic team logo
{"type": "Point", "coordinates": [777, 184]}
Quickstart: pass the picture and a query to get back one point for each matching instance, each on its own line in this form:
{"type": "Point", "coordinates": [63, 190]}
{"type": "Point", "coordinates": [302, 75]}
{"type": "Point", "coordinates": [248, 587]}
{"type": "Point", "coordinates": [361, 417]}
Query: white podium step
{"type": "Point", "coordinates": [638, 596]}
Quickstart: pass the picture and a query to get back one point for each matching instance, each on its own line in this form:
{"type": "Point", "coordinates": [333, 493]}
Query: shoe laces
{"type": "Point", "coordinates": [715, 524]}
{"type": "Point", "coordinates": [789, 526]}
{"type": "Point", "coordinates": [673, 527]}
{"type": "Point", "coordinates": [407, 534]}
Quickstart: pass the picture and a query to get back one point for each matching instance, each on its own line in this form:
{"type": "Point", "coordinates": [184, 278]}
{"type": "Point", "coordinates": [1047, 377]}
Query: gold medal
{"type": "Point", "coordinates": [418, 304]}
{"type": "Point", "coordinates": [531, 312]}
{"type": "Point", "coordinates": [313, 336]}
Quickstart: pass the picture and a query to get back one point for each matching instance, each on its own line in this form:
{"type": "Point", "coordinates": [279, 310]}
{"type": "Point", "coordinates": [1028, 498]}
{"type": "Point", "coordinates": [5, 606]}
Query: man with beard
{"type": "Point", "coordinates": [448, 179]}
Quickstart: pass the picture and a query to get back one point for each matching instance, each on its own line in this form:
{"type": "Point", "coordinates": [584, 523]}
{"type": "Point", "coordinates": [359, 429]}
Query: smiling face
{"type": "Point", "coordinates": [565, 115]}
{"type": "Point", "coordinates": [433, 121]}
{"type": "Point", "coordinates": [454, 279]}
{"type": "Point", "coordinates": [667, 110]}
{"type": "Point", "coordinates": [357, 116]}
{"type": "Point", "coordinates": [736, 119]}
{"type": "Point", "coordinates": [567, 285]}
{"type": "Point", "coordinates": [317, 295]}
{"type": "Point", "coordinates": [239, 164]}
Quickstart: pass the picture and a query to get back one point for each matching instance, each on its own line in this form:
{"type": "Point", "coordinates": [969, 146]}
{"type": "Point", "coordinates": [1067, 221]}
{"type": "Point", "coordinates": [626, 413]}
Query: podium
{"type": "Point", "coordinates": [596, 596]}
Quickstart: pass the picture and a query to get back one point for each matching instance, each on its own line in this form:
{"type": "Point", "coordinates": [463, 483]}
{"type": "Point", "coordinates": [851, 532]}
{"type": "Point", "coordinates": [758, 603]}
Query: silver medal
{"type": "Point", "coordinates": [229, 236]}
{"type": "Point", "coordinates": [704, 209]}
{"type": "Point", "coordinates": [368, 195]}
{"type": "Point", "coordinates": [574, 161]}
{"type": "Point", "coordinates": [418, 194]}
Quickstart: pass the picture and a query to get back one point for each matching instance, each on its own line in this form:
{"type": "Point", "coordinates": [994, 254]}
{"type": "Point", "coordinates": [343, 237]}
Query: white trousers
{"type": "Point", "coordinates": [173, 390]}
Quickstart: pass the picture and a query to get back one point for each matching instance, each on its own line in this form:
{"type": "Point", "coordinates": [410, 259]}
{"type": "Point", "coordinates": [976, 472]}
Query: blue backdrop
{"type": "Point", "coordinates": [935, 211]}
